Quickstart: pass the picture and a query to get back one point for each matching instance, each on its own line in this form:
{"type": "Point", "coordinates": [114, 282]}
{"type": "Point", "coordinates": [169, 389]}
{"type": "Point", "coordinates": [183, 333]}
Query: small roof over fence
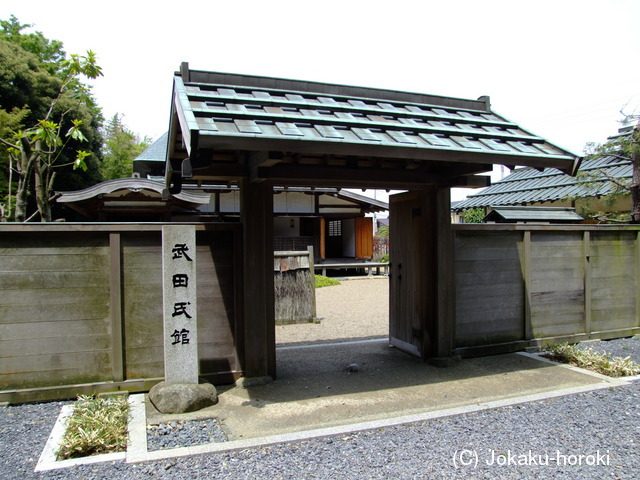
{"type": "Point", "coordinates": [128, 196]}
{"type": "Point", "coordinates": [533, 214]}
{"type": "Point", "coordinates": [225, 127]}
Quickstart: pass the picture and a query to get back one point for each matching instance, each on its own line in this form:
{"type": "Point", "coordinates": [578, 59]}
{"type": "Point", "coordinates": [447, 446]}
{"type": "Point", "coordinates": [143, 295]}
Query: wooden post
{"type": "Point", "coordinates": [256, 211]}
{"type": "Point", "coordinates": [637, 278]}
{"type": "Point", "coordinates": [586, 249]}
{"type": "Point", "coordinates": [115, 301]}
{"type": "Point", "coordinates": [312, 286]}
{"type": "Point", "coordinates": [445, 288]}
{"type": "Point", "coordinates": [526, 280]}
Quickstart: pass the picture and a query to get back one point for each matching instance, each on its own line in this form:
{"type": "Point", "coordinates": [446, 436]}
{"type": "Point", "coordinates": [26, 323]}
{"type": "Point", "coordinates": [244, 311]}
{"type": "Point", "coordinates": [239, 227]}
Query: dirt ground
{"type": "Point", "coordinates": [356, 309]}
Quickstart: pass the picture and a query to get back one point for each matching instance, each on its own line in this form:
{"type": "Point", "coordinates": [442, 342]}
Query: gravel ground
{"type": "Point", "coordinates": [593, 435]}
{"type": "Point", "coordinates": [184, 434]}
{"type": "Point", "coordinates": [366, 315]}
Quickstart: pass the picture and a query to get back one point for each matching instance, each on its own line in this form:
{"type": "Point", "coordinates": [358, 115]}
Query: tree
{"type": "Point", "coordinates": [40, 88]}
{"type": "Point", "coordinates": [473, 215]}
{"type": "Point", "coordinates": [121, 147]}
{"type": "Point", "coordinates": [626, 145]}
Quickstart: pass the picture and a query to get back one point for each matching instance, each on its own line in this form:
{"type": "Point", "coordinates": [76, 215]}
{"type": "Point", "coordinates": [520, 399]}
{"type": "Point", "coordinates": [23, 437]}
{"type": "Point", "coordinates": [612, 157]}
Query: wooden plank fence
{"type": "Point", "coordinates": [81, 304]}
{"type": "Point", "coordinates": [520, 286]}
{"type": "Point", "coordinates": [294, 287]}
{"type": "Point", "coordinates": [81, 308]}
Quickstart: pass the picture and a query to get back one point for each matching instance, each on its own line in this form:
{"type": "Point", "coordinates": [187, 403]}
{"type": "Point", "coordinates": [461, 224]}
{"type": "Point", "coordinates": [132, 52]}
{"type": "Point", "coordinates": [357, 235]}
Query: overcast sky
{"type": "Point", "coordinates": [562, 69]}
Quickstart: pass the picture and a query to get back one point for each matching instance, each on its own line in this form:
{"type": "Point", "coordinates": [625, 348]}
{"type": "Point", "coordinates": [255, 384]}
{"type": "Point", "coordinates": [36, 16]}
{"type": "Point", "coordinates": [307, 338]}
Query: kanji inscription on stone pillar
{"type": "Point", "coordinates": [180, 304]}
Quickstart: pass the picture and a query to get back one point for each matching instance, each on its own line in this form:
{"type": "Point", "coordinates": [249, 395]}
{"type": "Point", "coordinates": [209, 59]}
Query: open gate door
{"type": "Point", "coordinates": [407, 300]}
{"type": "Point", "coordinates": [421, 278]}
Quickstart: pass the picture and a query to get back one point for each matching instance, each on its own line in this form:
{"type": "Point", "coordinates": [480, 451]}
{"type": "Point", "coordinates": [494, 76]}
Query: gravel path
{"type": "Point", "coordinates": [536, 440]}
{"type": "Point", "coordinates": [356, 309]}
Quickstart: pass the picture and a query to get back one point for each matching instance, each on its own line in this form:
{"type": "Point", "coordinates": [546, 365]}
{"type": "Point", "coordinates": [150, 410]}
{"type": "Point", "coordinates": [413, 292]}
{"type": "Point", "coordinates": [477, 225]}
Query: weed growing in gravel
{"type": "Point", "coordinates": [325, 281]}
{"type": "Point", "coordinates": [97, 425]}
{"type": "Point", "coordinates": [598, 362]}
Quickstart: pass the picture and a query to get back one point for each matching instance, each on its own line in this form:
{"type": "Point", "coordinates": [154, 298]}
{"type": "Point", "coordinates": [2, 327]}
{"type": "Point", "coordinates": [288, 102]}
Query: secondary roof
{"type": "Point", "coordinates": [225, 127]}
{"type": "Point", "coordinates": [528, 185]}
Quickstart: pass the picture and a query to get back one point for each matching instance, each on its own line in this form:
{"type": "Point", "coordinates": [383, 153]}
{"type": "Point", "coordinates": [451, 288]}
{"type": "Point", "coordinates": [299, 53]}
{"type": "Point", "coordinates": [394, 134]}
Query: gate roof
{"type": "Point", "coordinates": [225, 127]}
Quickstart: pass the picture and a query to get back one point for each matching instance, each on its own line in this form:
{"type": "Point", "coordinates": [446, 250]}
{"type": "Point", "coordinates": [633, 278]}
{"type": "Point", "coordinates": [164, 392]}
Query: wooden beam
{"type": "Point", "coordinates": [349, 177]}
{"type": "Point", "coordinates": [471, 181]}
{"type": "Point", "coordinates": [256, 160]}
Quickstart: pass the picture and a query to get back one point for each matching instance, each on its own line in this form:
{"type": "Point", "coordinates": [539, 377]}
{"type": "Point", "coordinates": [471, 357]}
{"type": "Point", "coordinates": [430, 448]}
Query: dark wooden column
{"type": "Point", "coordinates": [445, 284]}
{"type": "Point", "coordinates": [256, 210]}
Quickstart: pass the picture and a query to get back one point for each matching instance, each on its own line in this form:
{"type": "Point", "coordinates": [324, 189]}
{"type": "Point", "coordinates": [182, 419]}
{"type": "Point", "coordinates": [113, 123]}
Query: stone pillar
{"type": "Point", "coordinates": [180, 304]}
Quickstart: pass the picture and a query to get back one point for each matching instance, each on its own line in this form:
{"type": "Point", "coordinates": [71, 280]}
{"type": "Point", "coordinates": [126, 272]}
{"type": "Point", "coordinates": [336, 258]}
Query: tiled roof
{"type": "Point", "coordinates": [533, 214]}
{"type": "Point", "coordinates": [217, 112]}
{"type": "Point", "coordinates": [156, 152]}
{"type": "Point", "coordinates": [529, 186]}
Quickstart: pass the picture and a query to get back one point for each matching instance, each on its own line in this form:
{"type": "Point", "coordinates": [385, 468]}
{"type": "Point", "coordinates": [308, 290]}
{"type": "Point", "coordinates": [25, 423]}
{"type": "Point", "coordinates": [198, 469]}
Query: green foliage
{"type": "Point", "coordinates": [49, 52]}
{"type": "Point", "coordinates": [325, 281]}
{"type": "Point", "coordinates": [384, 258]}
{"type": "Point", "coordinates": [97, 426]}
{"type": "Point", "coordinates": [473, 215]}
{"type": "Point", "coordinates": [383, 231]}
{"type": "Point", "coordinates": [625, 145]}
{"type": "Point", "coordinates": [48, 120]}
{"type": "Point", "coordinates": [121, 147]}
{"type": "Point", "coordinates": [598, 362]}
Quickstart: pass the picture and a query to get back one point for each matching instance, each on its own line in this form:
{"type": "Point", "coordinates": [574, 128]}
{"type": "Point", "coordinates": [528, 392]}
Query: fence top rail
{"type": "Point", "coordinates": [523, 227]}
{"type": "Point", "coordinates": [66, 227]}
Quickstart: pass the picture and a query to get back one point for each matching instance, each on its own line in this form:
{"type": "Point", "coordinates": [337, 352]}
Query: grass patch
{"type": "Point", "coordinates": [325, 281]}
{"type": "Point", "coordinates": [97, 425]}
{"type": "Point", "coordinates": [597, 362]}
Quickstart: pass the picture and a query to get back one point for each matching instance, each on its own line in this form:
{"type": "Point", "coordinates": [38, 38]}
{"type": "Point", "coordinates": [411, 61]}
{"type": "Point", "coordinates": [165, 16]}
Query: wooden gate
{"type": "Point", "coordinates": [406, 301]}
{"type": "Point", "coordinates": [421, 286]}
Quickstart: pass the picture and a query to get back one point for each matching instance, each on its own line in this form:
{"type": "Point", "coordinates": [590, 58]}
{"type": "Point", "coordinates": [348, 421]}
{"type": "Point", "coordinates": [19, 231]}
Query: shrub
{"type": "Point", "coordinates": [97, 425]}
{"type": "Point", "coordinates": [598, 362]}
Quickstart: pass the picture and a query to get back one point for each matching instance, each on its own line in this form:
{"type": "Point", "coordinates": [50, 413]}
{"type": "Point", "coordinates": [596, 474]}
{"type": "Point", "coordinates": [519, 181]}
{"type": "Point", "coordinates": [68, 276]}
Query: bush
{"type": "Point", "coordinates": [598, 362]}
{"type": "Point", "coordinates": [325, 281]}
{"type": "Point", "coordinates": [97, 425]}
{"type": "Point", "coordinates": [384, 258]}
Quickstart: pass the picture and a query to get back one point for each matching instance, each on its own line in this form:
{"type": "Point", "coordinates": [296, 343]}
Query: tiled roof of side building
{"type": "Point", "coordinates": [529, 185]}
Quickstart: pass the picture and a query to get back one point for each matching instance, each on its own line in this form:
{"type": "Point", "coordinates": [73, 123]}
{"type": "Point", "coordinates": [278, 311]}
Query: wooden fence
{"type": "Point", "coordinates": [81, 308]}
{"type": "Point", "coordinates": [523, 285]}
{"type": "Point", "coordinates": [81, 304]}
{"type": "Point", "coordinates": [294, 287]}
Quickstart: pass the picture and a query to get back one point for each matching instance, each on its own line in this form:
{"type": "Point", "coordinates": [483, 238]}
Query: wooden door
{"type": "Point", "coordinates": [421, 296]}
{"type": "Point", "coordinates": [364, 237]}
{"type": "Point", "coordinates": [407, 296]}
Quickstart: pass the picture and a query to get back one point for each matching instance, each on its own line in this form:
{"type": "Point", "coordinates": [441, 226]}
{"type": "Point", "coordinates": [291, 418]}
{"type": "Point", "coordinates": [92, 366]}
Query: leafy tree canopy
{"type": "Point", "coordinates": [625, 145]}
{"type": "Point", "coordinates": [473, 215]}
{"type": "Point", "coordinates": [41, 93]}
{"type": "Point", "coordinates": [120, 148]}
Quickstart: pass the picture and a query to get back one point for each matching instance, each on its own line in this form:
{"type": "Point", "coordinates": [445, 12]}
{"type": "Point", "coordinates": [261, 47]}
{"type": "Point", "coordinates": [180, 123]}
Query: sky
{"type": "Point", "coordinates": [561, 69]}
